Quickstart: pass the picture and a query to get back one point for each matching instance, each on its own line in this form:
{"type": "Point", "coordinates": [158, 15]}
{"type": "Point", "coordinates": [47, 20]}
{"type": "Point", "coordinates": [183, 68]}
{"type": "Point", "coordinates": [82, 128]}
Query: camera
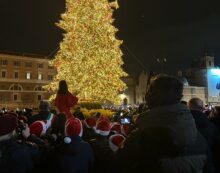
{"type": "Point", "coordinates": [21, 126]}
{"type": "Point", "coordinates": [125, 121]}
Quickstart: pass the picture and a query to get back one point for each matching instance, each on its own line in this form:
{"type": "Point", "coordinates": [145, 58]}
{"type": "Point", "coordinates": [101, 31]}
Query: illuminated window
{"type": "Point", "coordinates": [40, 76]}
{"type": "Point", "coordinates": [28, 75]}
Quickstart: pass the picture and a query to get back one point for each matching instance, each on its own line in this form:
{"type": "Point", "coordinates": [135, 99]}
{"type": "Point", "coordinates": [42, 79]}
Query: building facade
{"type": "Point", "coordinates": [128, 96]}
{"type": "Point", "coordinates": [22, 78]}
{"type": "Point", "coordinates": [141, 88]}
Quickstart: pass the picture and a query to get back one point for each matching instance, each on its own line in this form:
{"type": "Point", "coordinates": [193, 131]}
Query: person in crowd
{"type": "Point", "coordinates": [216, 117]}
{"type": "Point", "coordinates": [58, 128]}
{"type": "Point", "coordinates": [78, 114]}
{"type": "Point", "coordinates": [73, 155]}
{"type": "Point", "coordinates": [116, 141]}
{"type": "Point", "coordinates": [43, 114]}
{"type": "Point", "coordinates": [203, 124]}
{"type": "Point", "coordinates": [100, 145]}
{"type": "Point", "coordinates": [15, 157]}
{"type": "Point", "coordinates": [166, 138]}
{"type": "Point", "coordinates": [89, 128]}
{"type": "Point", "coordinates": [64, 99]}
{"type": "Point", "coordinates": [206, 128]}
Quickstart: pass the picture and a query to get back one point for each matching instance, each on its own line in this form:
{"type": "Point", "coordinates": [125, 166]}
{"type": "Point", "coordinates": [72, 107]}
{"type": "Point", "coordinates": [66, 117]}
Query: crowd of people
{"type": "Point", "coordinates": [164, 135]}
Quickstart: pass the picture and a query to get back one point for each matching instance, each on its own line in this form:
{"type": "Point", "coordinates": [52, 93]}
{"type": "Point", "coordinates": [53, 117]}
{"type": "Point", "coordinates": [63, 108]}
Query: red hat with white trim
{"type": "Point", "coordinates": [38, 128]}
{"type": "Point", "coordinates": [116, 128]}
{"type": "Point", "coordinates": [90, 122]}
{"type": "Point", "coordinates": [73, 127]}
{"type": "Point", "coordinates": [116, 141]}
{"type": "Point", "coordinates": [103, 128]}
{"type": "Point", "coordinates": [125, 129]}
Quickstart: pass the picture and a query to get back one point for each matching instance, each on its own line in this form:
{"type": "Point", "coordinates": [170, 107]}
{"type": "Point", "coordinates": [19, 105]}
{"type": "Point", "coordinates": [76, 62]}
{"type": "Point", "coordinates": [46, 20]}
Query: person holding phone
{"type": "Point", "coordinates": [65, 100]}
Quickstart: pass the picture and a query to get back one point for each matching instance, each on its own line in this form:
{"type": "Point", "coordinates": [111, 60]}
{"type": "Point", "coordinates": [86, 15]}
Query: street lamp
{"type": "Point", "coordinates": [161, 61]}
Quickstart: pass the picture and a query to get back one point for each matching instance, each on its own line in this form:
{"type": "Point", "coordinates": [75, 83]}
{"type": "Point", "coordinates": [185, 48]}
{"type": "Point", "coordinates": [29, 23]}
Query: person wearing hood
{"type": "Point", "coordinates": [166, 138]}
{"type": "Point", "coordinates": [65, 100]}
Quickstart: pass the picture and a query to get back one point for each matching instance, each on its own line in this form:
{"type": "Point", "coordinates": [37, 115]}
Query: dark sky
{"type": "Point", "coordinates": [178, 30]}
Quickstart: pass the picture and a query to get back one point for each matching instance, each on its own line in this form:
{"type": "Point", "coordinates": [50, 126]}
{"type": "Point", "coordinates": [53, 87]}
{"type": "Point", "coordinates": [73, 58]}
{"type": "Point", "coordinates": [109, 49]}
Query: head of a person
{"type": "Point", "coordinates": [63, 88]}
{"type": "Point", "coordinates": [164, 90]}
{"type": "Point", "coordinates": [44, 105]}
{"type": "Point", "coordinates": [217, 111]}
{"type": "Point", "coordinates": [8, 124]}
{"type": "Point", "coordinates": [196, 104]}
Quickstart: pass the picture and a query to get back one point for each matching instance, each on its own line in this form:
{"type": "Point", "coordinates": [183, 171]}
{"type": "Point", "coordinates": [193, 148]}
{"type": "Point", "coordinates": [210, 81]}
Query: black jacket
{"type": "Point", "coordinates": [76, 157]}
{"type": "Point", "coordinates": [206, 128]}
{"type": "Point", "coordinates": [103, 154]}
{"type": "Point", "coordinates": [17, 158]}
{"type": "Point", "coordinates": [166, 140]}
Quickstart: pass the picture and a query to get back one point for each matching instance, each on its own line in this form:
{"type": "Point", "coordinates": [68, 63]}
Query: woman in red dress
{"type": "Point", "coordinates": [64, 99]}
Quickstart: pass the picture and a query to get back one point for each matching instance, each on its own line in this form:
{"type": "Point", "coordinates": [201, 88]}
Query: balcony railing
{"type": "Point", "coordinates": [25, 80]}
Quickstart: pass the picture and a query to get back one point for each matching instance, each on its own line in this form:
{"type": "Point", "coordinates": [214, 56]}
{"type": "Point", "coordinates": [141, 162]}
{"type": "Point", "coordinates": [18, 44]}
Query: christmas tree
{"type": "Point", "coordinates": [90, 59]}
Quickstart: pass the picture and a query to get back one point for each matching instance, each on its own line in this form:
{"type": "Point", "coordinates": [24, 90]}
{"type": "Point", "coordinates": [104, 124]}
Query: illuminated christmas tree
{"type": "Point", "coordinates": [90, 59]}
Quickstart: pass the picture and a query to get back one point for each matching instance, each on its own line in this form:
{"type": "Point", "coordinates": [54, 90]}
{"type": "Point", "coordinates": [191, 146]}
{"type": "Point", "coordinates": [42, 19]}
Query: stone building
{"type": "Point", "coordinates": [22, 78]}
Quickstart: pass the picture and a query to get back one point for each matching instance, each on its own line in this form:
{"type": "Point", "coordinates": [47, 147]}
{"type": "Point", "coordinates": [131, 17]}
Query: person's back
{"type": "Point", "coordinates": [100, 145]}
{"type": "Point", "coordinates": [103, 154]}
{"type": "Point", "coordinates": [64, 99]}
{"type": "Point", "coordinates": [162, 134]}
{"type": "Point", "coordinates": [14, 157]}
{"type": "Point", "coordinates": [43, 114]}
{"type": "Point", "coordinates": [203, 124]}
{"type": "Point", "coordinates": [74, 155]}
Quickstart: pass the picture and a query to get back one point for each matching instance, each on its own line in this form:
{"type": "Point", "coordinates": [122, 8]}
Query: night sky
{"type": "Point", "coordinates": [178, 30]}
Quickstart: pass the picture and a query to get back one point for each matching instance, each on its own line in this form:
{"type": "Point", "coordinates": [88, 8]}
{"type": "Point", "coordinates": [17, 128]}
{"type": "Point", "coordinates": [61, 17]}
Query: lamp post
{"type": "Point", "coordinates": [161, 61]}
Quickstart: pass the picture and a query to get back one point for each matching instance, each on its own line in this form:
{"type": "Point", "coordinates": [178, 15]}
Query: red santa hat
{"type": "Point", "coordinates": [90, 122]}
{"type": "Point", "coordinates": [8, 124]}
{"type": "Point", "coordinates": [103, 128]}
{"type": "Point", "coordinates": [73, 127]}
{"type": "Point", "coordinates": [38, 128]}
{"type": "Point", "coordinates": [116, 128]}
{"type": "Point", "coordinates": [103, 118]}
{"type": "Point", "coordinates": [125, 129]}
{"type": "Point", "coordinates": [116, 141]}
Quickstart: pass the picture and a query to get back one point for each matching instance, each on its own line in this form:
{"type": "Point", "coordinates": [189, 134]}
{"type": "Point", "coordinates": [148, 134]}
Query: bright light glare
{"type": "Point", "coordinates": [215, 72]}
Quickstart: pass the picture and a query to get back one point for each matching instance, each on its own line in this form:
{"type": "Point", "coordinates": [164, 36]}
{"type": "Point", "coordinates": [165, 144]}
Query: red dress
{"type": "Point", "coordinates": [64, 102]}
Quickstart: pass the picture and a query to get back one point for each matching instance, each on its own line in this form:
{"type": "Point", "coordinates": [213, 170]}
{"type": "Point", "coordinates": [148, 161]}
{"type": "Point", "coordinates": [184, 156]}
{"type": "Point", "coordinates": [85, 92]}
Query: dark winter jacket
{"type": "Point", "coordinates": [88, 134]}
{"type": "Point", "coordinates": [166, 137]}
{"type": "Point", "coordinates": [17, 158]}
{"type": "Point", "coordinates": [216, 121]}
{"type": "Point", "coordinates": [103, 154]}
{"type": "Point", "coordinates": [211, 133]}
{"type": "Point", "coordinates": [206, 128]}
{"type": "Point", "coordinates": [76, 157]}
